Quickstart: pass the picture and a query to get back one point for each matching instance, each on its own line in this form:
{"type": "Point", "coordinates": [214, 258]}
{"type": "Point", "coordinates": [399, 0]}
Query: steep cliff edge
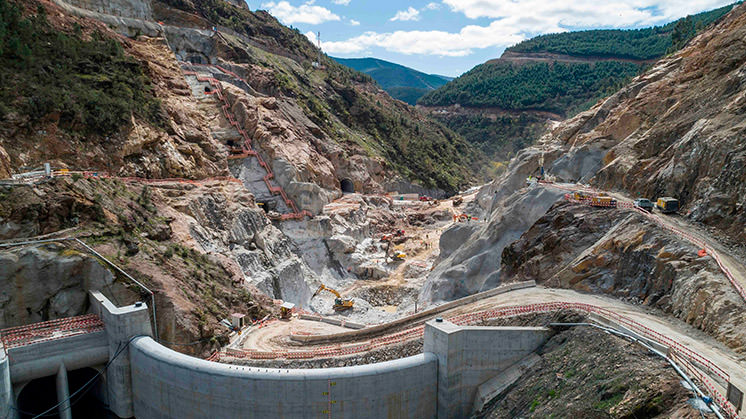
{"type": "Point", "coordinates": [677, 130]}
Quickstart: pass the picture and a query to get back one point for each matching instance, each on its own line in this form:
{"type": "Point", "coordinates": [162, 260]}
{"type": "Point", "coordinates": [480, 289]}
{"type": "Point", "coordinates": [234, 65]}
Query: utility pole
{"type": "Point", "coordinates": [318, 40]}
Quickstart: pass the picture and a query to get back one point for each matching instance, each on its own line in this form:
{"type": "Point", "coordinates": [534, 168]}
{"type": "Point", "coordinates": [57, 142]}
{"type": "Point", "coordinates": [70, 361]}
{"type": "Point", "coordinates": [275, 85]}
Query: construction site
{"type": "Point", "coordinates": [246, 259]}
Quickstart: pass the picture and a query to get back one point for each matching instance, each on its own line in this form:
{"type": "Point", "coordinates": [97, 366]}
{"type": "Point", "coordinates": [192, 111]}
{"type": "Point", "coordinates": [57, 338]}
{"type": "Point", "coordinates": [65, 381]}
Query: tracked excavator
{"type": "Point", "coordinates": [340, 304]}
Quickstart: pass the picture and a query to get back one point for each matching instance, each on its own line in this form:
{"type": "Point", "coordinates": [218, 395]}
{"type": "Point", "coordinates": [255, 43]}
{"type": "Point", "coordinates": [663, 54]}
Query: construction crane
{"type": "Point", "coordinates": [340, 304]}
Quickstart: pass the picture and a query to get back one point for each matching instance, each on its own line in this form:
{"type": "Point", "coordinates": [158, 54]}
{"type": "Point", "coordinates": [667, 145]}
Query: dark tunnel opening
{"type": "Point", "coordinates": [347, 186]}
{"type": "Point", "coordinates": [41, 394]}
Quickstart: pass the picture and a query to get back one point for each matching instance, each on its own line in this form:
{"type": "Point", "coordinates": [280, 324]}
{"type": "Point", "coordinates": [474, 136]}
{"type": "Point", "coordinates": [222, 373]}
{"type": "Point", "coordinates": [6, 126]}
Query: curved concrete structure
{"type": "Point", "coordinates": [167, 384]}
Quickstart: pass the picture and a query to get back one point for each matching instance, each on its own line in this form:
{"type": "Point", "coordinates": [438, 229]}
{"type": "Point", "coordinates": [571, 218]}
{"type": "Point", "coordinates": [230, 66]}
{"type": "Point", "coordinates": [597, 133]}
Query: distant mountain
{"type": "Point", "coordinates": [400, 82]}
{"type": "Point", "coordinates": [503, 105]}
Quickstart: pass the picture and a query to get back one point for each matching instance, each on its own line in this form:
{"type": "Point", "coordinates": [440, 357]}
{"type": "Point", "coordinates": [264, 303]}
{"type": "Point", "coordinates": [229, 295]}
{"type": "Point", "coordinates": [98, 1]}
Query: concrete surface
{"type": "Point", "coordinates": [121, 325]}
{"type": "Point", "coordinates": [168, 384]}
{"type": "Point", "coordinates": [502, 382]}
{"type": "Point", "coordinates": [43, 359]}
{"type": "Point", "coordinates": [6, 388]}
{"type": "Point", "coordinates": [468, 356]}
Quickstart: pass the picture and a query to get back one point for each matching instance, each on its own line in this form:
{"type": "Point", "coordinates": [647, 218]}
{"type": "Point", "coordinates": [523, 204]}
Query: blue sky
{"type": "Point", "coordinates": [450, 37]}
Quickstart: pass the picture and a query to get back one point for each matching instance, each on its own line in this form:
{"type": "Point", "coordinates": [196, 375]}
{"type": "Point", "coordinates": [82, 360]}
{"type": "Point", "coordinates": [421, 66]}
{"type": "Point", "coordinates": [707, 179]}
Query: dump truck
{"type": "Point", "coordinates": [667, 205]}
{"type": "Point", "coordinates": [340, 304]}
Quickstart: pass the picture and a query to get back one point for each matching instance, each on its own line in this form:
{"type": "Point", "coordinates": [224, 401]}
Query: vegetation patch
{"type": "Point", "coordinates": [87, 84]}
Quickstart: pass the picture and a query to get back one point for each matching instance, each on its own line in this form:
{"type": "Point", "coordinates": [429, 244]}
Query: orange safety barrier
{"type": "Point", "coordinates": [247, 147]}
{"type": "Point", "coordinates": [705, 248]}
{"type": "Point", "coordinates": [14, 337]}
{"type": "Point", "coordinates": [675, 348]}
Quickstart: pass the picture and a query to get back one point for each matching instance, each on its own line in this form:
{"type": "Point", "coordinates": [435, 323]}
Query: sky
{"type": "Point", "coordinates": [449, 37]}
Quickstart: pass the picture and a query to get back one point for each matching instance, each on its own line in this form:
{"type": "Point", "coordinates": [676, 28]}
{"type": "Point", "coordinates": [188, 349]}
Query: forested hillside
{"type": "Point", "coordinates": [400, 82]}
{"type": "Point", "coordinates": [639, 44]}
{"type": "Point", "coordinates": [559, 88]}
{"type": "Point", "coordinates": [503, 105]}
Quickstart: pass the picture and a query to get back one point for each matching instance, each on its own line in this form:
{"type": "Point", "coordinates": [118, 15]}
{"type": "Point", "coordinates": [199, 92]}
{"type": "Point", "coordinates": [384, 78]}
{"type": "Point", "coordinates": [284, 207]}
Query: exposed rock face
{"type": "Point", "coordinates": [47, 282]}
{"type": "Point", "coordinates": [473, 253]}
{"type": "Point", "coordinates": [224, 221]}
{"type": "Point", "coordinates": [623, 254]}
{"type": "Point", "coordinates": [677, 130]}
{"type": "Point", "coordinates": [5, 168]}
{"type": "Point", "coordinates": [138, 9]}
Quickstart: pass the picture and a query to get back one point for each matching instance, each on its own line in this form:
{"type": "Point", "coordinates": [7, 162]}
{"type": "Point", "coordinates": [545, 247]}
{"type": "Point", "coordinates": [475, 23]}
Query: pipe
{"type": "Point", "coordinates": [653, 350]}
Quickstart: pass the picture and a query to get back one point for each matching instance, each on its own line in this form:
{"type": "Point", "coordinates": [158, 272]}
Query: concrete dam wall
{"type": "Point", "coordinates": [144, 379]}
{"type": "Point", "coordinates": [167, 384]}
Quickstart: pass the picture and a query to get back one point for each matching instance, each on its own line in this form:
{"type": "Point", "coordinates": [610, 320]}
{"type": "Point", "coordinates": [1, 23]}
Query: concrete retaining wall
{"type": "Point", "coordinates": [6, 388]}
{"type": "Point", "coordinates": [43, 359]}
{"type": "Point", "coordinates": [167, 384]}
{"type": "Point", "coordinates": [469, 356]}
{"type": "Point", "coordinates": [343, 323]}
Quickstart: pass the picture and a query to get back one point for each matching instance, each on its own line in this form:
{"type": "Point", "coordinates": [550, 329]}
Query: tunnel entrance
{"type": "Point", "coordinates": [41, 394]}
{"type": "Point", "coordinates": [347, 186]}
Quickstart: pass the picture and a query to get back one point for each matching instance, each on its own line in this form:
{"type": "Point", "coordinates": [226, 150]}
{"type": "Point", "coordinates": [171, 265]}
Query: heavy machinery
{"type": "Point", "coordinates": [581, 196]}
{"type": "Point", "coordinates": [667, 205]}
{"type": "Point", "coordinates": [458, 201]}
{"type": "Point", "coordinates": [340, 304]}
{"type": "Point", "coordinates": [603, 200]}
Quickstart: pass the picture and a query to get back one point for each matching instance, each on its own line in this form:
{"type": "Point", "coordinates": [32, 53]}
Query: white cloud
{"type": "Point", "coordinates": [354, 22]}
{"type": "Point", "coordinates": [432, 6]}
{"type": "Point", "coordinates": [538, 15]}
{"type": "Point", "coordinates": [438, 43]}
{"type": "Point", "coordinates": [516, 20]}
{"type": "Point", "coordinates": [410, 14]}
{"type": "Point", "coordinates": [341, 2]}
{"type": "Point", "coordinates": [305, 13]}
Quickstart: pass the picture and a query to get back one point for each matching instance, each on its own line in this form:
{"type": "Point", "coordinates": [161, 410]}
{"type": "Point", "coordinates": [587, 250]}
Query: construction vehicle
{"type": "Point", "coordinates": [581, 196]}
{"type": "Point", "coordinates": [667, 205]}
{"type": "Point", "coordinates": [458, 201]}
{"type": "Point", "coordinates": [399, 256]}
{"type": "Point", "coordinates": [603, 200]}
{"type": "Point", "coordinates": [286, 310]}
{"type": "Point", "coordinates": [644, 204]}
{"type": "Point", "coordinates": [340, 304]}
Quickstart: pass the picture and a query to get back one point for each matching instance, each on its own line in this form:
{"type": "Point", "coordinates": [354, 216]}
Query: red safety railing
{"type": "Point", "coordinates": [681, 233]}
{"type": "Point", "coordinates": [14, 337]}
{"type": "Point", "coordinates": [681, 351]}
{"type": "Point", "coordinates": [246, 148]}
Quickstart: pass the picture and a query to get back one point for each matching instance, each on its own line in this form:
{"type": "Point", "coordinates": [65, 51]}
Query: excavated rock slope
{"type": "Point", "coordinates": [623, 254]}
{"type": "Point", "coordinates": [677, 130]}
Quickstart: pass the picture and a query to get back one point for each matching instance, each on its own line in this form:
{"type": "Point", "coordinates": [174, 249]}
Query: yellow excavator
{"type": "Point", "coordinates": [340, 304]}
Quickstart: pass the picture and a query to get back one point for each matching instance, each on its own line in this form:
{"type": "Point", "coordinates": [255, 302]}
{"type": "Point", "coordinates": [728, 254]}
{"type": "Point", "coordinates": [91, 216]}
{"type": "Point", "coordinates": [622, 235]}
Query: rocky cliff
{"type": "Point", "coordinates": [676, 130]}
{"type": "Point", "coordinates": [317, 123]}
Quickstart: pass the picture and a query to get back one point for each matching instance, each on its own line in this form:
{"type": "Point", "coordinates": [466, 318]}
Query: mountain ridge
{"type": "Point", "coordinates": [399, 81]}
